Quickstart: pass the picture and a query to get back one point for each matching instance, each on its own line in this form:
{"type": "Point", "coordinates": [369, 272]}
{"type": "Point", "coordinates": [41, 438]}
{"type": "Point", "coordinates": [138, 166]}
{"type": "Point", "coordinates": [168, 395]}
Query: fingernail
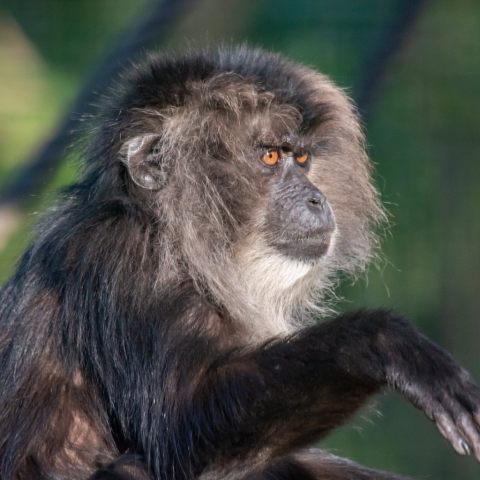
{"type": "Point", "coordinates": [465, 447]}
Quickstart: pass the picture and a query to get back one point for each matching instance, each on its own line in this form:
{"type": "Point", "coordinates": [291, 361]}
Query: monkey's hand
{"type": "Point", "coordinates": [430, 378]}
{"type": "Point", "coordinates": [435, 383]}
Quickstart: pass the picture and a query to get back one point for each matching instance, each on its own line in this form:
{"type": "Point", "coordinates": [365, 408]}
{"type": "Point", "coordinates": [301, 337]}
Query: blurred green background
{"type": "Point", "coordinates": [423, 130]}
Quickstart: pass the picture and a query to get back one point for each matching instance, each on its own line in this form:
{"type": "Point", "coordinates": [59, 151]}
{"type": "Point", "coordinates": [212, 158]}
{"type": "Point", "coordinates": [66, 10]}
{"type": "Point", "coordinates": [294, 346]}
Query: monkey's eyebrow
{"type": "Point", "coordinates": [290, 141]}
{"type": "Point", "coordinates": [265, 139]}
{"type": "Point", "coordinates": [295, 143]}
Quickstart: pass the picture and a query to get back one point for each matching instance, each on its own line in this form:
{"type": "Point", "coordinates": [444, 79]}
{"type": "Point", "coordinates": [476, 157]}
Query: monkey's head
{"type": "Point", "coordinates": [254, 171]}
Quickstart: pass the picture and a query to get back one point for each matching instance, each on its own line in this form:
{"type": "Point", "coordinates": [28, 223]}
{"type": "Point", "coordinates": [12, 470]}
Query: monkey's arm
{"type": "Point", "coordinates": [291, 391]}
{"type": "Point", "coordinates": [220, 410]}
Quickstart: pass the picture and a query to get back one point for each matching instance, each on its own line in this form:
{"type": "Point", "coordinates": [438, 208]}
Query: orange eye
{"type": "Point", "coordinates": [302, 158]}
{"type": "Point", "coordinates": [270, 158]}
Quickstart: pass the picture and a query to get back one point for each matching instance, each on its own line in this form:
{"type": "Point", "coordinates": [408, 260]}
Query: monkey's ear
{"type": "Point", "coordinates": [144, 162]}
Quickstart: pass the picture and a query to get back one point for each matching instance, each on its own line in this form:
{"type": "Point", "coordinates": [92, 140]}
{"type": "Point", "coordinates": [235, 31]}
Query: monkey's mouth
{"type": "Point", "coordinates": [310, 246]}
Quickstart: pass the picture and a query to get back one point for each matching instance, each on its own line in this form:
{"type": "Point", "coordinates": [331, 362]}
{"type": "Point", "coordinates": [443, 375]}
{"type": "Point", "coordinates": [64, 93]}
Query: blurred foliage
{"type": "Point", "coordinates": [423, 134]}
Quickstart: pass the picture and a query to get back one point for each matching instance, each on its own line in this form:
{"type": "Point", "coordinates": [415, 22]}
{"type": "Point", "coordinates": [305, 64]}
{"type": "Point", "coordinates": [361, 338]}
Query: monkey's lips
{"type": "Point", "coordinates": [311, 246]}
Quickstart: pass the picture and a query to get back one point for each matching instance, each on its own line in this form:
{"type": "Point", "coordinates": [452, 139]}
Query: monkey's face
{"type": "Point", "coordinates": [256, 165]}
{"type": "Point", "coordinates": [299, 221]}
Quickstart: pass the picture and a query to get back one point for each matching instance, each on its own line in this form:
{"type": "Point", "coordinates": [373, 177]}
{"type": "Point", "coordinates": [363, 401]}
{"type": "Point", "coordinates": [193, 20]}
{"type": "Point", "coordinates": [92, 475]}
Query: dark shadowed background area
{"type": "Point", "coordinates": [414, 70]}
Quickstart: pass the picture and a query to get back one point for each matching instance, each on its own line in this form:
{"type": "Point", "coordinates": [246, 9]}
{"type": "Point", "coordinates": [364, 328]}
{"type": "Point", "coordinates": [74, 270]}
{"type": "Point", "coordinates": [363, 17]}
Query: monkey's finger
{"type": "Point", "coordinates": [469, 398]}
{"type": "Point", "coordinates": [470, 433]}
{"type": "Point", "coordinates": [476, 417]}
{"type": "Point", "coordinates": [449, 430]}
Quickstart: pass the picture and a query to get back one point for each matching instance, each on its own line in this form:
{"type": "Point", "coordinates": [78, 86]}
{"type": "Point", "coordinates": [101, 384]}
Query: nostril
{"type": "Point", "coordinates": [315, 198]}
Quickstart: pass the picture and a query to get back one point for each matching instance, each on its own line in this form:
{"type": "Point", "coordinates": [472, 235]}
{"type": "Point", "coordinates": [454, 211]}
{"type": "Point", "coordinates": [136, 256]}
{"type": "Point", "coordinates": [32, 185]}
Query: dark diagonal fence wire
{"type": "Point", "coordinates": [387, 45]}
{"type": "Point", "coordinates": [155, 28]}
